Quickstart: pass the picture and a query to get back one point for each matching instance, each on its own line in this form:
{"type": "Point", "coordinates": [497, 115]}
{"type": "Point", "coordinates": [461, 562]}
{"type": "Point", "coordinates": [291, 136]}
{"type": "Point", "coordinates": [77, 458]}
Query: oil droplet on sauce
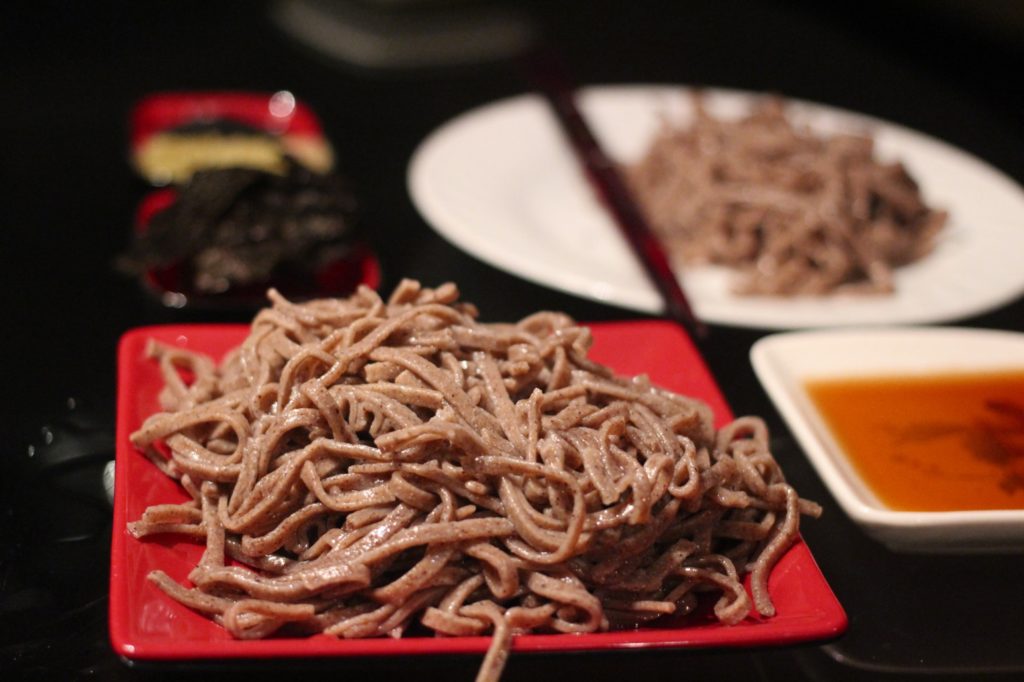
{"type": "Point", "coordinates": [941, 442]}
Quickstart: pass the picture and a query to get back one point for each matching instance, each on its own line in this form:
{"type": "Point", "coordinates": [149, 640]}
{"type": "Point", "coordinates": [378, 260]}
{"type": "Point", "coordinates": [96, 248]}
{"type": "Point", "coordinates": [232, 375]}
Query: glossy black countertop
{"type": "Point", "coordinates": [70, 76]}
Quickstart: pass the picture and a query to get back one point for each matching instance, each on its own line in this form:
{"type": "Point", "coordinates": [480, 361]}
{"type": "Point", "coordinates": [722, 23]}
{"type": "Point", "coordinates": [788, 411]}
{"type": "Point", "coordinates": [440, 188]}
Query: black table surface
{"type": "Point", "coordinates": [70, 75]}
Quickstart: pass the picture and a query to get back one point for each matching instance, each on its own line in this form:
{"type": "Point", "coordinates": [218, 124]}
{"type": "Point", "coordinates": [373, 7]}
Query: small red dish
{"type": "Point", "coordinates": [171, 286]}
{"type": "Point", "coordinates": [147, 625]}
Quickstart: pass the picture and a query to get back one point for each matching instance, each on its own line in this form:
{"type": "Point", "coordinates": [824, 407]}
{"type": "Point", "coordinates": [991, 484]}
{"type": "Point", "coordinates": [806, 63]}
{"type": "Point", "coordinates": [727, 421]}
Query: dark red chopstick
{"type": "Point", "coordinates": [548, 75]}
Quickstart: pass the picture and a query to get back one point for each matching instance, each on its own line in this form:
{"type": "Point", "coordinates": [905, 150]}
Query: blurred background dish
{"type": "Point", "coordinates": [499, 182]}
{"type": "Point", "coordinates": [255, 203]}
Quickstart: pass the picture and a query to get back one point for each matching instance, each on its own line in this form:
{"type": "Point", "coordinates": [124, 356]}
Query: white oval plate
{"type": "Point", "coordinates": [501, 183]}
{"type": "Point", "coordinates": [785, 362]}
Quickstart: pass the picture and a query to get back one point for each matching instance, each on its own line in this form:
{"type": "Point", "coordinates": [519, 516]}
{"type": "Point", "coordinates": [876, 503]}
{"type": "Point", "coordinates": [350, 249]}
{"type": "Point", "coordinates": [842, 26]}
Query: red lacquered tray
{"type": "Point", "coordinates": [145, 624]}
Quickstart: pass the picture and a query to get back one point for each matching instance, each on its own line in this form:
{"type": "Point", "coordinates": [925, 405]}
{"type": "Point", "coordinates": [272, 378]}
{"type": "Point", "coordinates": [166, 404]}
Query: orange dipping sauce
{"type": "Point", "coordinates": [932, 443]}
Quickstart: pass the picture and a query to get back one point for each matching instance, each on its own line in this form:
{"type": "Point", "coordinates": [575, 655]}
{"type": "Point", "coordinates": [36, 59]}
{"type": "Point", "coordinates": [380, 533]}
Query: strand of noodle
{"type": "Point", "coordinates": [410, 494]}
{"type": "Point", "coordinates": [458, 485]}
{"type": "Point", "coordinates": [453, 531]}
{"type": "Point", "coordinates": [271, 489]}
{"type": "Point", "coordinates": [734, 604]}
{"type": "Point", "coordinates": [176, 393]}
{"type": "Point", "coordinates": [213, 555]}
{"type": "Point", "coordinates": [784, 536]}
{"type": "Point", "coordinates": [434, 560]}
{"type": "Point", "coordinates": [198, 462]}
{"type": "Point", "coordinates": [362, 625]}
{"type": "Point", "coordinates": [264, 617]}
{"type": "Point", "coordinates": [686, 464]}
{"type": "Point", "coordinates": [377, 534]}
{"type": "Point", "coordinates": [371, 342]}
{"type": "Point", "coordinates": [500, 571]}
{"type": "Point", "coordinates": [595, 463]}
{"type": "Point", "coordinates": [142, 529]}
{"type": "Point", "coordinates": [173, 513]}
{"type": "Point", "coordinates": [501, 641]}
{"type": "Point", "coordinates": [499, 399]}
{"type": "Point", "coordinates": [300, 584]}
{"type": "Point", "coordinates": [406, 395]}
{"type": "Point", "coordinates": [479, 420]}
{"type": "Point", "coordinates": [574, 532]}
{"type": "Point", "coordinates": [396, 623]}
{"type": "Point", "coordinates": [161, 425]}
{"type": "Point", "coordinates": [527, 618]}
{"type": "Point", "coordinates": [350, 501]}
{"type": "Point", "coordinates": [570, 593]}
{"type": "Point", "coordinates": [330, 410]}
{"type": "Point", "coordinates": [195, 599]}
{"type": "Point", "coordinates": [445, 618]}
{"type": "Point", "coordinates": [269, 563]}
{"type": "Point", "coordinates": [286, 385]}
{"type": "Point", "coordinates": [459, 436]}
{"type": "Point", "coordinates": [276, 538]}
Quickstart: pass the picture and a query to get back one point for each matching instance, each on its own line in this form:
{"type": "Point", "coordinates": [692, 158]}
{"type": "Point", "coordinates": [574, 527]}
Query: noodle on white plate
{"type": "Point", "coordinates": [794, 213]}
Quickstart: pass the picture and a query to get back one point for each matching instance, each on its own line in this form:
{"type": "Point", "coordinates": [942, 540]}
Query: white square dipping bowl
{"type": "Point", "coordinates": [785, 362]}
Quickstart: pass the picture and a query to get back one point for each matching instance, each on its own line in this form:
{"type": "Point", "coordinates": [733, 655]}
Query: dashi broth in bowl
{"type": "Point", "coordinates": [918, 433]}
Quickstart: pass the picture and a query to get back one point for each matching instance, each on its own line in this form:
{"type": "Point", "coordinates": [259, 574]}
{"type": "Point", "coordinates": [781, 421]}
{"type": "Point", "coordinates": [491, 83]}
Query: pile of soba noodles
{"type": "Point", "coordinates": [794, 213]}
{"type": "Point", "coordinates": [364, 467]}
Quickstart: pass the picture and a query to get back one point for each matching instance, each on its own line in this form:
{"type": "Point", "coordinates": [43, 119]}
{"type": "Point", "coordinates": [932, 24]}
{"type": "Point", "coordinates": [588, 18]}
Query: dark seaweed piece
{"type": "Point", "coordinates": [233, 227]}
{"type": "Point", "coordinates": [185, 227]}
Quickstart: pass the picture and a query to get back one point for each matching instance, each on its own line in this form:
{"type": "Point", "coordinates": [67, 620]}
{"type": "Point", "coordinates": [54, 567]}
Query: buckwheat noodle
{"type": "Point", "coordinates": [359, 466]}
{"type": "Point", "coordinates": [794, 213]}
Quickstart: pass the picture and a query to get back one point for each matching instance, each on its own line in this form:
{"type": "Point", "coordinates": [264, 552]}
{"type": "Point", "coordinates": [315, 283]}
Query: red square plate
{"type": "Point", "coordinates": [145, 624]}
